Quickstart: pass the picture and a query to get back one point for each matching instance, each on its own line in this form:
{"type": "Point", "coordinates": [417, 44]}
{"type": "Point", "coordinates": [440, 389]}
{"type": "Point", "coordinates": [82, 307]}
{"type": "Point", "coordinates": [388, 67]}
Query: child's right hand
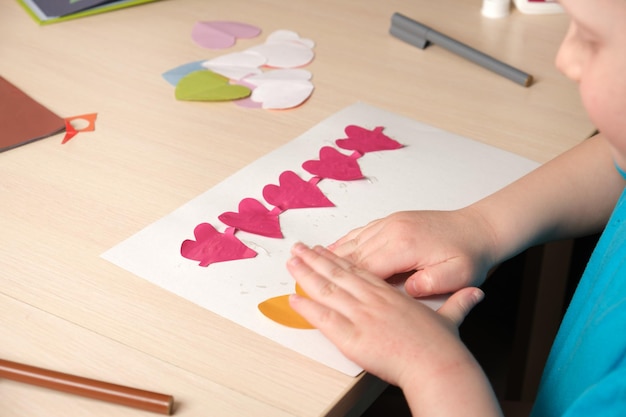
{"type": "Point", "coordinates": [444, 250]}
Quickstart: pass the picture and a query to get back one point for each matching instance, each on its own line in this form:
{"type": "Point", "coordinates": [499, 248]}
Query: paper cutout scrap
{"type": "Point", "coordinates": [23, 119]}
{"type": "Point", "coordinates": [254, 217]}
{"type": "Point", "coordinates": [76, 124]}
{"type": "Point", "coordinates": [222, 34]}
{"type": "Point", "coordinates": [283, 49]}
{"type": "Point", "coordinates": [294, 192]}
{"type": "Point", "coordinates": [206, 85]}
{"type": "Point", "coordinates": [174, 75]}
{"type": "Point", "coordinates": [212, 246]}
{"type": "Point", "coordinates": [335, 165]}
{"type": "Point", "coordinates": [363, 140]}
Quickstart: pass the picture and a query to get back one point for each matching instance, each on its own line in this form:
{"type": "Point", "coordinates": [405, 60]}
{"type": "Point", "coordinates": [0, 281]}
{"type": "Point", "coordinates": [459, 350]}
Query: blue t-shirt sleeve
{"type": "Point", "coordinates": [606, 398]}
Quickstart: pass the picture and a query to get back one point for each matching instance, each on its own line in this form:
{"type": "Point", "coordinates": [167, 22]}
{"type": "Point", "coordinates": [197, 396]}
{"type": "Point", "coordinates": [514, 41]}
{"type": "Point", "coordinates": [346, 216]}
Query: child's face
{"type": "Point", "coordinates": [593, 54]}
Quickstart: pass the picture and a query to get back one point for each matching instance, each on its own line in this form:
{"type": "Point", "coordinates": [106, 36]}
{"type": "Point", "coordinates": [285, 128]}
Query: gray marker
{"type": "Point", "coordinates": [419, 35]}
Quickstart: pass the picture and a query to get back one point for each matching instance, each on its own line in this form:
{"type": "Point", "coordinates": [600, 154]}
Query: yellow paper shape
{"type": "Point", "coordinates": [300, 291]}
{"type": "Point", "coordinates": [279, 310]}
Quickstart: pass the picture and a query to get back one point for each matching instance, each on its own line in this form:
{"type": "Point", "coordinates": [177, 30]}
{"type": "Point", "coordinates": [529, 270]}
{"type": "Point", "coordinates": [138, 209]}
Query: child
{"type": "Point", "coordinates": [403, 342]}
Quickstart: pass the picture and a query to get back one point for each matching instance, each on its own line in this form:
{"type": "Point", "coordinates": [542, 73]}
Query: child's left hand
{"type": "Point", "coordinates": [377, 326]}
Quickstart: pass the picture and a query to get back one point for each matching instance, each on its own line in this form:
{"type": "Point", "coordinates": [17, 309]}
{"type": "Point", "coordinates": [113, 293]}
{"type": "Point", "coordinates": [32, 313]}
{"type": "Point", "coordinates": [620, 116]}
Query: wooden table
{"type": "Point", "coordinates": [61, 206]}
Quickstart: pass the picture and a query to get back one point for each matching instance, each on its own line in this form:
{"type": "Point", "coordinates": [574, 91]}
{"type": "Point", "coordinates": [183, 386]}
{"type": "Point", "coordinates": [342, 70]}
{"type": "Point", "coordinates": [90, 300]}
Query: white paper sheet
{"type": "Point", "coordinates": [435, 170]}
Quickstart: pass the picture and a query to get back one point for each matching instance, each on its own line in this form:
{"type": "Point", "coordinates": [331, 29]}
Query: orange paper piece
{"type": "Point", "coordinates": [279, 310]}
{"type": "Point", "coordinates": [76, 124]}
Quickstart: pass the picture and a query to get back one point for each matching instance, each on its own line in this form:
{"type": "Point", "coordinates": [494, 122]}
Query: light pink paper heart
{"type": "Point", "coordinates": [212, 246]}
{"type": "Point", "coordinates": [254, 217]}
{"type": "Point", "coordinates": [293, 192]}
{"type": "Point", "coordinates": [335, 165]}
{"type": "Point", "coordinates": [363, 140]}
{"type": "Point", "coordinates": [221, 34]}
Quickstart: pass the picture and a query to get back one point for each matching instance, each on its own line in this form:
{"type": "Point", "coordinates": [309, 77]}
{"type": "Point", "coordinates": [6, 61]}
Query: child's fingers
{"type": "Point", "coordinates": [338, 271]}
{"type": "Point", "coordinates": [458, 306]}
{"type": "Point", "coordinates": [328, 254]}
{"type": "Point", "coordinates": [331, 323]}
{"type": "Point", "coordinates": [442, 278]}
{"type": "Point", "coordinates": [352, 244]}
{"type": "Point", "coordinates": [318, 277]}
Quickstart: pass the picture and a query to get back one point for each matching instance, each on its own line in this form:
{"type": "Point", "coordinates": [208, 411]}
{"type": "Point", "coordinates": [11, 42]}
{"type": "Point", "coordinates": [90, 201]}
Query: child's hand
{"type": "Point", "coordinates": [447, 250]}
{"type": "Point", "coordinates": [374, 324]}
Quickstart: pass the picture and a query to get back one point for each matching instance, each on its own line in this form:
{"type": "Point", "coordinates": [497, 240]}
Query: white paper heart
{"type": "Point", "coordinates": [279, 75]}
{"type": "Point", "coordinates": [289, 36]}
{"type": "Point", "coordinates": [236, 65]}
{"type": "Point", "coordinates": [282, 94]}
{"type": "Point", "coordinates": [284, 54]}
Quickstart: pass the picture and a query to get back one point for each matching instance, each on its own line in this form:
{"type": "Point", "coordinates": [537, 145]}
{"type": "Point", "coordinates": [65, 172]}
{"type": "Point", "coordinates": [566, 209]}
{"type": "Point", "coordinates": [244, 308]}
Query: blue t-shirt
{"type": "Point", "coordinates": [585, 374]}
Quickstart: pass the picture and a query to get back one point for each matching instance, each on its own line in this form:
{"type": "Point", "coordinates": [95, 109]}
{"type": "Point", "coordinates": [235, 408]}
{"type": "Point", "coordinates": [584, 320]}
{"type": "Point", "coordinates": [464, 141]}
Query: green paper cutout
{"type": "Point", "coordinates": [205, 85]}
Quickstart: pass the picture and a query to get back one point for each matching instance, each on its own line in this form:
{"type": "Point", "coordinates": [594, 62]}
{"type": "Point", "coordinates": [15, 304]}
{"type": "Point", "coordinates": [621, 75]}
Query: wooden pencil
{"type": "Point", "coordinates": [119, 394]}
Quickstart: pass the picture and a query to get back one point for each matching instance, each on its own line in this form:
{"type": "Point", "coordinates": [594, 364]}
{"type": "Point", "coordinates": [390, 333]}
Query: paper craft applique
{"type": "Point", "coordinates": [444, 171]}
{"type": "Point", "coordinates": [268, 75]}
{"type": "Point", "coordinates": [292, 192]}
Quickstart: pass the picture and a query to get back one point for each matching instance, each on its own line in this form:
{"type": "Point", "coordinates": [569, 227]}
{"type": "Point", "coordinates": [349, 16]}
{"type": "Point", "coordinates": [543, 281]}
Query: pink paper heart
{"type": "Point", "coordinates": [255, 218]}
{"type": "Point", "coordinates": [212, 246]}
{"type": "Point", "coordinates": [363, 140]}
{"type": "Point", "coordinates": [294, 192]}
{"type": "Point", "coordinates": [335, 165]}
{"type": "Point", "coordinates": [221, 34]}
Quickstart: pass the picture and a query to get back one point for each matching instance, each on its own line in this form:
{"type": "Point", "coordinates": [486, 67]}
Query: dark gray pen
{"type": "Point", "coordinates": [420, 35]}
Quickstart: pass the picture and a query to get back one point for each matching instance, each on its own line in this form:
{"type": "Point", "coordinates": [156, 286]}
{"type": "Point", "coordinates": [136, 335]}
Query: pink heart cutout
{"type": "Point", "coordinates": [335, 165]}
{"type": "Point", "coordinates": [212, 246]}
{"type": "Point", "coordinates": [253, 217]}
{"type": "Point", "coordinates": [294, 192]}
{"type": "Point", "coordinates": [221, 34]}
{"type": "Point", "coordinates": [363, 140]}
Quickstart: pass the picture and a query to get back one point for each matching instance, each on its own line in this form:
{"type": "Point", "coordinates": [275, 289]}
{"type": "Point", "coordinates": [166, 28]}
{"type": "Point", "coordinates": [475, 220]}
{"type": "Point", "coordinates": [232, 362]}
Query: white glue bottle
{"type": "Point", "coordinates": [496, 8]}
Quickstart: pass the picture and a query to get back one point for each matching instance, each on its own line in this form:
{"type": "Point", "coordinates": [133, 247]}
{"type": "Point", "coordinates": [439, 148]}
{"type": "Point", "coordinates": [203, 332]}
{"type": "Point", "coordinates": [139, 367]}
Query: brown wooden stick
{"type": "Point", "coordinates": [131, 397]}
